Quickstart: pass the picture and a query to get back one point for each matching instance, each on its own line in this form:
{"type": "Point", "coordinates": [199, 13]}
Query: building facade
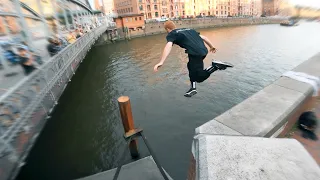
{"type": "Point", "coordinates": [108, 6]}
{"type": "Point", "coordinates": [270, 7]}
{"type": "Point", "coordinates": [153, 9]}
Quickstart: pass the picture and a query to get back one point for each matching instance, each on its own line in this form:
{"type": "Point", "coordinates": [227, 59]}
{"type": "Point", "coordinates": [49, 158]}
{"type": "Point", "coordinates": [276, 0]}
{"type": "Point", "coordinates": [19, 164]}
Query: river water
{"type": "Point", "coordinates": [84, 135]}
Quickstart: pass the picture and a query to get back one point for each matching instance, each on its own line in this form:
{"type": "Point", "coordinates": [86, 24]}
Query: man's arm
{"type": "Point", "coordinates": [208, 42]}
{"type": "Point", "coordinates": [165, 54]}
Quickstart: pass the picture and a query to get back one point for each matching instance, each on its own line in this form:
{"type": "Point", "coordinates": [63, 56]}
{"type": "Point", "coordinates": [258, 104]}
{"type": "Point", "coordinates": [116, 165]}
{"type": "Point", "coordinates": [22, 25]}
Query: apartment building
{"type": "Point", "coordinates": [223, 8]}
{"type": "Point", "coordinates": [161, 8]}
{"type": "Point", "coordinates": [153, 9]}
{"type": "Point", "coordinates": [270, 7]}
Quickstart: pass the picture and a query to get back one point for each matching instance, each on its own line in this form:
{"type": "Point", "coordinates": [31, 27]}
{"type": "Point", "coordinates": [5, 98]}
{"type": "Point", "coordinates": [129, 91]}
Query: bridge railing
{"type": "Point", "coordinates": [24, 107]}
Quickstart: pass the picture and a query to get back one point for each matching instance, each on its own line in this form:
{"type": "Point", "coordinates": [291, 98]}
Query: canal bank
{"type": "Point", "coordinates": [153, 28]}
{"type": "Point", "coordinates": [85, 125]}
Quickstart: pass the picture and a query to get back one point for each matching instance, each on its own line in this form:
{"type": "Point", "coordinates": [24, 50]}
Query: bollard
{"type": "Point", "coordinates": [127, 122]}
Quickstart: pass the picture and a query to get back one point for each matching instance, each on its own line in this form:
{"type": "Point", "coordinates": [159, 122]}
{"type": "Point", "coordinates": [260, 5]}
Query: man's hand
{"type": "Point", "coordinates": [157, 66]}
{"type": "Point", "coordinates": [213, 50]}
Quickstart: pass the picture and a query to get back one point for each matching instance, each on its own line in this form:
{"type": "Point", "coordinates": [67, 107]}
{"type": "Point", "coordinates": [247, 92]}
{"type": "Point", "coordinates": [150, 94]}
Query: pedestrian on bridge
{"type": "Point", "coordinates": [193, 42]}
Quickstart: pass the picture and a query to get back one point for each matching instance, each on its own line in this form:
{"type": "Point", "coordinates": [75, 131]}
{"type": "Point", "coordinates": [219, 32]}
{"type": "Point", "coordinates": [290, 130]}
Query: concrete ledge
{"type": "Point", "coordinates": [312, 66]}
{"type": "Point", "coordinates": [143, 169]}
{"type": "Point", "coordinates": [221, 150]}
{"type": "Point", "coordinates": [267, 111]}
{"type": "Point", "coordinates": [263, 112]}
{"type": "Point", "coordinates": [253, 158]}
{"type": "Point", "coordinates": [214, 127]}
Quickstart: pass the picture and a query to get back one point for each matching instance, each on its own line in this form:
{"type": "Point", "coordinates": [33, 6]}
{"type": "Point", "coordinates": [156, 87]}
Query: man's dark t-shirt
{"type": "Point", "coordinates": [188, 39]}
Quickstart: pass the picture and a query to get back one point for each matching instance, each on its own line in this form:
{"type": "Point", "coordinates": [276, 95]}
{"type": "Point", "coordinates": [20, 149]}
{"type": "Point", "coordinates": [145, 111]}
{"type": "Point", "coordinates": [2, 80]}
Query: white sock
{"type": "Point", "coordinates": [208, 68]}
{"type": "Point", "coordinates": [193, 85]}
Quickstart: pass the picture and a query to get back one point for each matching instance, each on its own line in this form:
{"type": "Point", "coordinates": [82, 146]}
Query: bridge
{"type": "Point", "coordinates": [26, 101]}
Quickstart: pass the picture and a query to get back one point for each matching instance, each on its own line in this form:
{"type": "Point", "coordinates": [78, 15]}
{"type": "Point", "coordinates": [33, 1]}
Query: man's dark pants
{"type": "Point", "coordinates": [195, 67]}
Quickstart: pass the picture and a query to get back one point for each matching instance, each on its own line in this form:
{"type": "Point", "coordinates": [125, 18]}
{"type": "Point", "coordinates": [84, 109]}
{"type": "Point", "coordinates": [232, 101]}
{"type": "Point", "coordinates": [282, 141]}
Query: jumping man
{"type": "Point", "coordinates": [193, 42]}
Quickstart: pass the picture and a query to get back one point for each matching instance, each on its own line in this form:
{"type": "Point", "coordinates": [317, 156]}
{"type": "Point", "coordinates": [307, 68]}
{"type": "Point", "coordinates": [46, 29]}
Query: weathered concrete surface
{"type": "Point", "coordinates": [253, 158]}
{"type": "Point", "coordinates": [295, 85]}
{"type": "Point", "coordinates": [214, 127]}
{"type": "Point", "coordinates": [143, 169]}
{"type": "Point", "coordinates": [262, 113]}
{"type": "Point", "coordinates": [311, 66]}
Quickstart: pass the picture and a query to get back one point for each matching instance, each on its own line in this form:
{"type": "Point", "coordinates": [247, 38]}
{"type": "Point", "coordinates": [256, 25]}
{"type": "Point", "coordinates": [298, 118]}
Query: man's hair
{"type": "Point", "coordinates": [169, 25]}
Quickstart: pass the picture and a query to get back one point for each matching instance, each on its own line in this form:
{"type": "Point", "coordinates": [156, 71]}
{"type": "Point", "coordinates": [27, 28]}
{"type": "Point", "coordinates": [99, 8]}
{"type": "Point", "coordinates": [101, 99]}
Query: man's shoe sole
{"type": "Point", "coordinates": [191, 94]}
{"type": "Point", "coordinates": [224, 64]}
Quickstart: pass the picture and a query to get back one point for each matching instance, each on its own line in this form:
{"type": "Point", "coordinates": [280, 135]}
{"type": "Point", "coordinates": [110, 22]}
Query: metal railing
{"type": "Point", "coordinates": [24, 107]}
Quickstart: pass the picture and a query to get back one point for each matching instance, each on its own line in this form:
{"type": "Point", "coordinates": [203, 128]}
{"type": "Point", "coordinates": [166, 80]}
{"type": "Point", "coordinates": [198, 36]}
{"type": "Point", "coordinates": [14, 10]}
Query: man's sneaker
{"type": "Point", "coordinates": [221, 65]}
{"type": "Point", "coordinates": [191, 92]}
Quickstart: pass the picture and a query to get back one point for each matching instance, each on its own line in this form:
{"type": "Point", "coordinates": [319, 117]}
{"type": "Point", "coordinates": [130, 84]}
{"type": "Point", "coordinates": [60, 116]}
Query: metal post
{"type": "Point", "coordinates": [55, 17]}
{"type": "Point", "coordinates": [71, 14]}
{"type": "Point", "coordinates": [127, 122]}
{"type": "Point", "coordinates": [24, 27]}
{"type": "Point", "coordinates": [6, 29]}
{"type": "Point", "coordinates": [64, 14]}
{"type": "Point", "coordinates": [43, 17]}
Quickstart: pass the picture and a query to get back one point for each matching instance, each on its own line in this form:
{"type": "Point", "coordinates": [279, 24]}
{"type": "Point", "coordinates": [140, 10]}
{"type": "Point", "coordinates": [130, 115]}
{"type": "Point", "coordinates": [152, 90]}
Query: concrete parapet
{"type": "Point", "coordinates": [253, 158]}
{"type": "Point", "coordinates": [220, 150]}
{"type": "Point", "coordinates": [143, 169]}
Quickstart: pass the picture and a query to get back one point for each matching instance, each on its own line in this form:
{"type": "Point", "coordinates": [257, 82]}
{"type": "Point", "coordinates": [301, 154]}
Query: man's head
{"type": "Point", "coordinates": [169, 26]}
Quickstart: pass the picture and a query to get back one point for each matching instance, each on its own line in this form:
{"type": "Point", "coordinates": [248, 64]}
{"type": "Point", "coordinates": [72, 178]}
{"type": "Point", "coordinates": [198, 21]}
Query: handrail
{"type": "Point", "coordinates": [40, 82]}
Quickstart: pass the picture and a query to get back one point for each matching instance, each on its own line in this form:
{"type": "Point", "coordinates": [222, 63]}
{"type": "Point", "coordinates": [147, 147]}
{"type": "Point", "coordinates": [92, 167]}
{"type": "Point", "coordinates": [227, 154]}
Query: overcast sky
{"type": "Point", "coordinates": [310, 3]}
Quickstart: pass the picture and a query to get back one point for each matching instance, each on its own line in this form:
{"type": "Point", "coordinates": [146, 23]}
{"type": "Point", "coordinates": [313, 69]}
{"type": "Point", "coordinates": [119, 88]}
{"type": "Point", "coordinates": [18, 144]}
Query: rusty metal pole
{"type": "Point", "coordinates": [127, 122]}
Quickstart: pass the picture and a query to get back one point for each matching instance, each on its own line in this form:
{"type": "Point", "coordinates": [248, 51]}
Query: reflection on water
{"type": "Point", "coordinates": [84, 135]}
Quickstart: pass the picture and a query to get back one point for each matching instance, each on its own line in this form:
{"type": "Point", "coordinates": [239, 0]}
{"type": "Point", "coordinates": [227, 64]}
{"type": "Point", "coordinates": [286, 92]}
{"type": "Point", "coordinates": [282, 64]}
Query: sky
{"type": "Point", "coordinates": [309, 3]}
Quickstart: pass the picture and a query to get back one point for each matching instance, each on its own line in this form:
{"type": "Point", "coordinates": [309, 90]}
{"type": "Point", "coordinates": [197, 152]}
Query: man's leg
{"type": "Point", "coordinates": [192, 75]}
{"type": "Point", "coordinates": [204, 74]}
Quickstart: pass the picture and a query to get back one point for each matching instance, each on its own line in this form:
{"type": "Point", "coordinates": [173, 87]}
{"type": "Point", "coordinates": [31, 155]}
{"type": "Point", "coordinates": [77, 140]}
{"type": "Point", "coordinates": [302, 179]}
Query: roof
{"type": "Point", "coordinates": [131, 15]}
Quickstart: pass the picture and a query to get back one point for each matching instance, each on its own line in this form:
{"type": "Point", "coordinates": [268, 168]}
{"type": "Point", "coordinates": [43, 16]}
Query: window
{"type": "Point", "coordinates": [225, 12]}
{"type": "Point", "coordinates": [136, 19]}
{"type": "Point", "coordinates": [126, 19]}
{"type": "Point", "coordinates": [130, 19]}
{"type": "Point", "coordinates": [217, 12]}
{"type": "Point", "coordinates": [221, 12]}
{"type": "Point", "coordinates": [176, 7]}
{"type": "Point", "coordinates": [177, 13]}
{"type": "Point", "coordinates": [140, 1]}
{"type": "Point", "coordinates": [140, 7]}
{"type": "Point", "coordinates": [131, 9]}
{"type": "Point", "coordinates": [148, 7]}
{"type": "Point", "coordinates": [155, 7]}
{"type": "Point", "coordinates": [225, 7]}
{"type": "Point", "coordinates": [221, 7]}
{"type": "Point", "coordinates": [156, 14]}
{"type": "Point", "coordinates": [171, 7]}
{"type": "Point", "coordinates": [229, 8]}
{"type": "Point", "coordinates": [183, 13]}
{"type": "Point", "coordinates": [182, 6]}
{"type": "Point", "coordinates": [155, 1]}
{"type": "Point", "coordinates": [140, 18]}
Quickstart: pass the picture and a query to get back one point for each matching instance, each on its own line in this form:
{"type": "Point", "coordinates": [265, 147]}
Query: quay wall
{"type": "Point", "coordinates": [157, 27]}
